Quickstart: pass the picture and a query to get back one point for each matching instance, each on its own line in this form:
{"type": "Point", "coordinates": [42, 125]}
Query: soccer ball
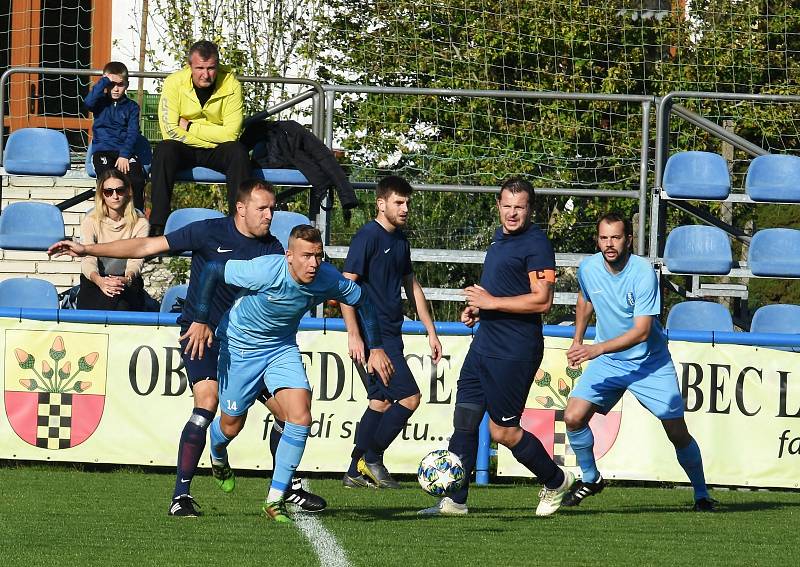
{"type": "Point", "coordinates": [440, 473]}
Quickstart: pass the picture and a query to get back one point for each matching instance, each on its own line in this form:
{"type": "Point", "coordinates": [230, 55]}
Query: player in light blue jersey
{"type": "Point", "coordinates": [629, 353]}
{"type": "Point", "coordinates": [258, 345]}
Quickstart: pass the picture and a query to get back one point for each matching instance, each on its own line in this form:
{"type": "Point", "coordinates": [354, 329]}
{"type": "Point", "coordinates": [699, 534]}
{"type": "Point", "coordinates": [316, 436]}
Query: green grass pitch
{"type": "Point", "coordinates": [60, 515]}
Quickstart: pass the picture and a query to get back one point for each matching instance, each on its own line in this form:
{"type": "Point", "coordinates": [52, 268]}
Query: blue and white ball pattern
{"type": "Point", "coordinates": [440, 473]}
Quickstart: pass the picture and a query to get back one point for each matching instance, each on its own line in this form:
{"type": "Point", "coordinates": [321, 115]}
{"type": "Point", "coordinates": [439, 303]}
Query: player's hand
{"type": "Point", "coordinates": [470, 316]}
{"type": "Point", "coordinates": [183, 123]}
{"type": "Point", "coordinates": [380, 364]}
{"type": "Point", "coordinates": [477, 296]}
{"type": "Point", "coordinates": [580, 353]}
{"type": "Point", "coordinates": [111, 286]}
{"type": "Point", "coordinates": [199, 337]}
{"type": "Point", "coordinates": [67, 247]}
{"type": "Point", "coordinates": [123, 164]}
{"type": "Point", "coordinates": [355, 348]}
{"type": "Point", "coordinates": [436, 348]}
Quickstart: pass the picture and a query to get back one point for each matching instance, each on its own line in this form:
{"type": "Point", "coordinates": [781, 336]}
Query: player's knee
{"type": "Point", "coordinates": [231, 425]}
{"type": "Point", "coordinates": [299, 418]}
{"type": "Point", "coordinates": [677, 432]}
{"type": "Point", "coordinates": [507, 436]}
{"type": "Point", "coordinates": [379, 405]}
{"type": "Point", "coordinates": [575, 419]}
{"type": "Point", "coordinates": [412, 402]}
{"type": "Point", "coordinates": [467, 417]}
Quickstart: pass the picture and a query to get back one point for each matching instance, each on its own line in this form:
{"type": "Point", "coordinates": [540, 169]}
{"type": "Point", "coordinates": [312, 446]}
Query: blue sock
{"type": "Point", "coordinates": [219, 443]}
{"type": "Point", "coordinates": [692, 462]}
{"type": "Point", "coordinates": [531, 453]}
{"type": "Point", "coordinates": [582, 443]}
{"type": "Point", "coordinates": [390, 426]}
{"type": "Point", "coordinates": [190, 449]}
{"type": "Point", "coordinates": [366, 429]}
{"type": "Point", "coordinates": [464, 444]}
{"type": "Point", "coordinates": [287, 457]}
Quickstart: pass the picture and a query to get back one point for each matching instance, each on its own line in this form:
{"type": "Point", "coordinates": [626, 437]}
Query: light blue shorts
{"type": "Point", "coordinates": [655, 385]}
{"type": "Point", "coordinates": [244, 373]}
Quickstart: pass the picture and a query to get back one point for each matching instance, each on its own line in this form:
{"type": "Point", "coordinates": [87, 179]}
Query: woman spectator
{"type": "Point", "coordinates": [110, 283]}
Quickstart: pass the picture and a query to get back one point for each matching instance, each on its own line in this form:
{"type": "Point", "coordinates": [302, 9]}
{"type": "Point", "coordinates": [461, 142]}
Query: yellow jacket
{"type": "Point", "coordinates": [220, 120]}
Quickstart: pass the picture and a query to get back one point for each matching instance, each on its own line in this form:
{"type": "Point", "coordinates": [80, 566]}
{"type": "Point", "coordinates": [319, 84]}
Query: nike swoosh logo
{"type": "Point", "coordinates": [184, 480]}
{"type": "Point", "coordinates": [386, 251]}
{"type": "Point", "coordinates": [507, 418]}
{"type": "Point", "coordinates": [221, 250]}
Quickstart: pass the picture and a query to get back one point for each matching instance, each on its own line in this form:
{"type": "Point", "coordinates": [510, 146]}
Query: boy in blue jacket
{"type": "Point", "coordinates": [115, 130]}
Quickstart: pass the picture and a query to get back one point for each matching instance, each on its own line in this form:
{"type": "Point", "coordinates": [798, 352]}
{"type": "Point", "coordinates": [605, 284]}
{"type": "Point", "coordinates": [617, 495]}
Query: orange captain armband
{"type": "Point", "coordinates": [546, 275]}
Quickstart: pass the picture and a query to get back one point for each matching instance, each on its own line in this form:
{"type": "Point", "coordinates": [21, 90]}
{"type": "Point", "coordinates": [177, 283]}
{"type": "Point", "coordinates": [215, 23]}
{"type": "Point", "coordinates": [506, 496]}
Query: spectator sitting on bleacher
{"type": "Point", "coordinates": [110, 283]}
{"type": "Point", "coordinates": [115, 128]}
{"type": "Point", "coordinates": [200, 115]}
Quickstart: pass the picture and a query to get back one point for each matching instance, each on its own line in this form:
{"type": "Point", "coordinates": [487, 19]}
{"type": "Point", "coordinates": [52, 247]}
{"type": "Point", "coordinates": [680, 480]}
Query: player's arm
{"type": "Point", "coordinates": [355, 344]}
{"type": "Point", "coordinates": [378, 362]}
{"type": "Point", "coordinates": [127, 248]}
{"type": "Point", "coordinates": [416, 296]}
{"type": "Point", "coordinates": [638, 333]}
{"type": "Point", "coordinates": [199, 333]}
{"type": "Point", "coordinates": [583, 314]}
{"type": "Point", "coordinates": [539, 300]}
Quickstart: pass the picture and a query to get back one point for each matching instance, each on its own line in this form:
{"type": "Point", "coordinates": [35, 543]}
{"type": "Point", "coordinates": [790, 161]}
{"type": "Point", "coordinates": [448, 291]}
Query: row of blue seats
{"type": "Point", "coordinates": [701, 249]}
{"type": "Point", "coordinates": [41, 151]}
{"type": "Point", "coordinates": [711, 316]}
{"type": "Point", "coordinates": [24, 293]}
{"type": "Point", "coordinates": [30, 225]}
{"type": "Point", "coordinates": [771, 178]}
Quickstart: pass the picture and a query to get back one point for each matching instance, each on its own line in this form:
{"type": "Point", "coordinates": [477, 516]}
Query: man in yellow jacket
{"type": "Point", "coordinates": [200, 114]}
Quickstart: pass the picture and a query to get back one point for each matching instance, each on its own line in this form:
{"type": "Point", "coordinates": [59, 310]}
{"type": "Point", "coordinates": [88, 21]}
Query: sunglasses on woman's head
{"type": "Point", "coordinates": [121, 191]}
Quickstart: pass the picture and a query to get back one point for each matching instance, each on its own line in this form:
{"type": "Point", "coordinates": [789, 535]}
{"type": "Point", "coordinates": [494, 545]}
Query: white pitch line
{"type": "Point", "coordinates": [328, 550]}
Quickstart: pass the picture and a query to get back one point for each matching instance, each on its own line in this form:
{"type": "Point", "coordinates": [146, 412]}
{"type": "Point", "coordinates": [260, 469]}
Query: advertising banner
{"type": "Point", "coordinates": [118, 394]}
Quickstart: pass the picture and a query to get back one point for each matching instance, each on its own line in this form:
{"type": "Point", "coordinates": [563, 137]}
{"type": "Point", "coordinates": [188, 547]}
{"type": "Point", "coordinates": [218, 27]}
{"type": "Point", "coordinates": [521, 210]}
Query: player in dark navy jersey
{"type": "Point", "coordinates": [379, 258]}
{"type": "Point", "coordinates": [241, 237]}
{"type": "Point", "coordinates": [516, 288]}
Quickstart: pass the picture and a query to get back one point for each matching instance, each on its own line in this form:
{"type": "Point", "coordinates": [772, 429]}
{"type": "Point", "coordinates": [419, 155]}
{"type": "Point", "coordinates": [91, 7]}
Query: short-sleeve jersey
{"type": "Point", "coordinates": [619, 298]}
{"type": "Point", "coordinates": [216, 240]}
{"type": "Point", "coordinates": [381, 259]}
{"type": "Point", "coordinates": [506, 269]}
{"type": "Point", "coordinates": [269, 307]}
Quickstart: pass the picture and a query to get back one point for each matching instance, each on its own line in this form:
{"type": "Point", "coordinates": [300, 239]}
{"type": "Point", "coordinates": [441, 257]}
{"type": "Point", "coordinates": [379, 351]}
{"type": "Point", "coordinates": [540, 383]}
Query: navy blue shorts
{"type": "Point", "coordinates": [201, 369]}
{"type": "Point", "coordinates": [402, 385]}
{"type": "Point", "coordinates": [499, 385]}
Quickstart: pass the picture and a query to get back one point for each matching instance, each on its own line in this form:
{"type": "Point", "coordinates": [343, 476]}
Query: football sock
{"type": "Point", "coordinates": [464, 444]}
{"type": "Point", "coordinates": [531, 453]}
{"type": "Point", "coordinates": [692, 462]}
{"type": "Point", "coordinates": [582, 443]}
{"type": "Point", "coordinates": [287, 457]}
{"type": "Point", "coordinates": [219, 442]}
{"type": "Point", "coordinates": [390, 426]}
{"type": "Point", "coordinates": [190, 448]}
{"type": "Point", "coordinates": [275, 438]}
{"type": "Point", "coordinates": [366, 429]}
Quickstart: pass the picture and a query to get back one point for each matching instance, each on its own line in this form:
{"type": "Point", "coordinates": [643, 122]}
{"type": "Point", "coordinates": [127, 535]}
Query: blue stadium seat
{"type": "Point", "coordinates": [698, 249]}
{"type": "Point", "coordinates": [778, 318]}
{"type": "Point", "coordinates": [697, 175]}
{"type": "Point", "coordinates": [283, 222]}
{"type": "Point", "coordinates": [27, 225]}
{"type": "Point", "coordinates": [181, 217]}
{"type": "Point", "coordinates": [28, 292]}
{"type": "Point", "coordinates": [36, 151]}
{"type": "Point", "coordinates": [774, 178]}
{"type": "Point", "coordinates": [274, 176]}
{"type": "Point", "coordinates": [699, 316]}
{"type": "Point", "coordinates": [141, 149]}
{"type": "Point", "coordinates": [775, 252]}
{"type": "Point", "coordinates": [171, 297]}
